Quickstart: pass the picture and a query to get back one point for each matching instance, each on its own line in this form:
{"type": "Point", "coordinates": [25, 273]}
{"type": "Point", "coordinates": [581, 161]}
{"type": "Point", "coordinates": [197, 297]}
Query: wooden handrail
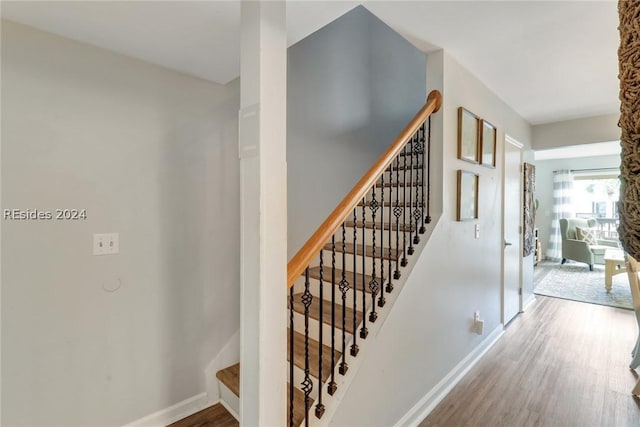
{"type": "Point", "coordinates": [312, 247]}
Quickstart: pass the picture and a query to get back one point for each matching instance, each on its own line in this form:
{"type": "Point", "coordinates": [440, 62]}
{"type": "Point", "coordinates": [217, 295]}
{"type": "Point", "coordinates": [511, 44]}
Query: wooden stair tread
{"type": "Point", "coordinates": [314, 354]}
{"type": "Point", "coordinates": [396, 184]}
{"type": "Point", "coordinates": [392, 203]}
{"type": "Point", "coordinates": [314, 273]}
{"type": "Point", "coordinates": [350, 248]}
{"type": "Point", "coordinates": [402, 167]}
{"type": "Point", "coordinates": [409, 153]}
{"type": "Point", "coordinates": [216, 415]}
{"type": "Point", "coordinates": [369, 224]}
{"type": "Point", "coordinates": [314, 313]}
{"type": "Point", "coordinates": [230, 377]}
{"type": "Point", "coordinates": [298, 405]}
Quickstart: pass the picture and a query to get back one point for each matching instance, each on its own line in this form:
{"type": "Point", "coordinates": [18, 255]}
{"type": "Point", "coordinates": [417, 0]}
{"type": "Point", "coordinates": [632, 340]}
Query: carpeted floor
{"type": "Point", "coordinates": [574, 281]}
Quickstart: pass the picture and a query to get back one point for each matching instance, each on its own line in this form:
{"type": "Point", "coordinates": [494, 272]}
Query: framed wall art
{"type": "Point", "coordinates": [468, 184]}
{"type": "Point", "coordinates": [468, 135]}
{"type": "Point", "coordinates": [488, 138]}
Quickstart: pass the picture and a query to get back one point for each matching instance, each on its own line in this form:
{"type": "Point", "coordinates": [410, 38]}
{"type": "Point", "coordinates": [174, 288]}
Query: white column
{"type": "Point", "coordinates": [263, 206]}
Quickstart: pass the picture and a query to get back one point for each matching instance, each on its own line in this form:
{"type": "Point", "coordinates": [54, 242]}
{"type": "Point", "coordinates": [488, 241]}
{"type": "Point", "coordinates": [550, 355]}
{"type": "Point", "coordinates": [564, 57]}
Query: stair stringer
{"type": "Point", "coordinates": [331, 403]}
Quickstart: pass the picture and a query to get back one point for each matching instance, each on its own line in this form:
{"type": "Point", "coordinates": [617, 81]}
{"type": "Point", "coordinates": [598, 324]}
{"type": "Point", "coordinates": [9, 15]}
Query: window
{"type": "Point", "coordinates": [596, 196]}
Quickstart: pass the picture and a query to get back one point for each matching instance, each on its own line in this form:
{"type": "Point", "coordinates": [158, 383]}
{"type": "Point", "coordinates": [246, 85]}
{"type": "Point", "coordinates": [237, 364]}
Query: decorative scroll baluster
{"type": "Point", "coordinates": [397, 211]}
{"type": "Point", "coordinates": [410, 207]}
{"type": "Point", "coordinates": [382, 301]}
{"type": "Point", "coordinates": [423, 203]}
{"type": "Point", "coordinates": [428, 219]}
{"type": "Point", "coordinates": [373, 283]}
{"type": "Point", "coordinates": [354, 346]}
{"type": "Point", "coordinates": [307, 385]}
{"type": "Point", "coordinates": [291, 355]}
{"type": "Point", "coordinates": [320, 406]}
{"type": "Point", "coordinates": [389, 287]}
{"type": "Point", "coordinates": [404, 208]}
{"type": "Point", "coordinates": [364, 331]}
{"type": "Point", "coordinates": [332, 384]}
{"type": "Point", "coordinates": [344, 288]}
{"type": "Point", "coordinates": [417, 212]}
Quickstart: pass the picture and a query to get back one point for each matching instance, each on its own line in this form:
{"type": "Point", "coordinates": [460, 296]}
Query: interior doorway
{"type": "Point", "coordinates": [512, 201]}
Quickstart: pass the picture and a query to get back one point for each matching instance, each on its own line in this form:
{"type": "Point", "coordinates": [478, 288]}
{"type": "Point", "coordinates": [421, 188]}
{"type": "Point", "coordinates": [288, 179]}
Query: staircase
{"type": "Point", "coordinates": [340, 280]}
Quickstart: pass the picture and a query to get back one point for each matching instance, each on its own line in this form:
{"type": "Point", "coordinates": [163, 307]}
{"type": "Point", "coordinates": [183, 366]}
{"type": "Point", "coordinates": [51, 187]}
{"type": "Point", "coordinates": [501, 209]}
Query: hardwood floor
{"type": "Point", "coordinates": [213, 416]}
{"type": "Point", "coordinates": [562, 363]}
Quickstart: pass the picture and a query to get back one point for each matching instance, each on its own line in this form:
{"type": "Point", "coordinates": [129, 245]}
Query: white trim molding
{"type": "Point", "coordinates": [430, 400]}
{"type": "Point", "coordinates": [173, 413]}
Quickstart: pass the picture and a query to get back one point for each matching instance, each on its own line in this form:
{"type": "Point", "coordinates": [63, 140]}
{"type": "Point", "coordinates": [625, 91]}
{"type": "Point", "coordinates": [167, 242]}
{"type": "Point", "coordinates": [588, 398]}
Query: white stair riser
{"type": "Point", "coordinates": [229, 398]}
{"type": "Point", "coordinates": [368, 264]}
{"type": "Point", "coordinates": [314, 330]}
{"type": "Point", "coordinates": [382, 239]}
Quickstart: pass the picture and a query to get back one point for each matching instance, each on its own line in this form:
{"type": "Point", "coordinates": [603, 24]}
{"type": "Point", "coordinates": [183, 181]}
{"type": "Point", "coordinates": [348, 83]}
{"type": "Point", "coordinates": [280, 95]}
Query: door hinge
{"type": "Point", "coordinates": [519, 291]}
{"type": "Point", "coordinates": [519, 229]}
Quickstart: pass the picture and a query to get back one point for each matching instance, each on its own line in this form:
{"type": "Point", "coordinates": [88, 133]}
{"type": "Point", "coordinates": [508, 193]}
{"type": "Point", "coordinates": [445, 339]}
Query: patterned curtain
{"type": "Point", "coordinates": [562, 208]}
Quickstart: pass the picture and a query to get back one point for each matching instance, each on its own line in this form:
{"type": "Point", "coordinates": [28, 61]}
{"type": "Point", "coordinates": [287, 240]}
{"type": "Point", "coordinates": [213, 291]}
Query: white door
{"type": "Point", "coordinates": [512, 239]}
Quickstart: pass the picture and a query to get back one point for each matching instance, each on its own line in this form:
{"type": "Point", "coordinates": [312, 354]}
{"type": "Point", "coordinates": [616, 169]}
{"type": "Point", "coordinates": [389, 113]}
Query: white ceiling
{"type": "Point", "coordinates": [549, 60]}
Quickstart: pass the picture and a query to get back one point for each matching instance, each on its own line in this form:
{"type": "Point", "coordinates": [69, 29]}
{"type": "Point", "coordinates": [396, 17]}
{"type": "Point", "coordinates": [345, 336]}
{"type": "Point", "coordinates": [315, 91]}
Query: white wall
{"type": "Point", "coordinates": [345, 104]}
{"type": "Point", "coordinates": [151, 154]}
{"type": "Point", "coordinates": [544, 186]}
{"type": "Point", "coordinates": [587, 130]}
{"type": "Point", "coordinates": [428, 331]}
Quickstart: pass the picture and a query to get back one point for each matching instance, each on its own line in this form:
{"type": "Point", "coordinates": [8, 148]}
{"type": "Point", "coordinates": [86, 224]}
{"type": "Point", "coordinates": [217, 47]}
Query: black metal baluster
{"type": "Point", "coordinates": [428, 201]}
{"type": "Point", "coordinates": [404, 208]}
{"type": "Point", "coordinates": [397, 211]}
{"type": "Point", "coordinates": [344, 287]}
{"type": "Point", "coordinates": [417, 210]}
{"type": "Point", "coordinates": [320, 406]}
{"type": "Point", "coordinates": [413, 139]}
{"type": "Point", "coordinates": [291, 355]}
{"type": "Point", "coordinates": [389, 287]}
{"type": "Point", "coordinates": [307, 385]}
{"type": "Point", "coordinates": [382, 301]}
{"type": "Point", "coordinates": [373, 283]}
{"type": "Point", "coordinates": [354, 346]}
{"type": "Point", "coordinates": [332, 384]}
{"type": "Point", "coordinates": [422, 183]}
{"type": "Point", "coordinates": [364, 331]}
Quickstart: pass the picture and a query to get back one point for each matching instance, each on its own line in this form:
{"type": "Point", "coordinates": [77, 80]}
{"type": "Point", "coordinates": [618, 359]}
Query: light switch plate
{"type": "Point", "coordinates": [477, 231]}
{"type": "Point", "coordinates": [106, 244]}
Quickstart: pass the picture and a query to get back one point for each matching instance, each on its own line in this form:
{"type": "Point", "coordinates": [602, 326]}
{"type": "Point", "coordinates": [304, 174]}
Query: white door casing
{"type": "Point", "coordinates": [512, 230]}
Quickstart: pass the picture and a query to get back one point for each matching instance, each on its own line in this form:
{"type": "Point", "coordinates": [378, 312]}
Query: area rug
{"type": "Point", "coordinates": [575, 282]}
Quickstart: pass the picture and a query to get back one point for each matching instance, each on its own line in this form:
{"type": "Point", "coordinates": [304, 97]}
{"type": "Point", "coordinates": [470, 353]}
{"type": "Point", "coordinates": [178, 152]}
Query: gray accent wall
{"type": "Point", "coordinates": [352, 87]}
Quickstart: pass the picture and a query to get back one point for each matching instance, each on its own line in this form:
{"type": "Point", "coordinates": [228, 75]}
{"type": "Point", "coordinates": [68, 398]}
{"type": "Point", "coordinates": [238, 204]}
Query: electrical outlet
{"type": "Point", "coordinates": [476, 316]}
{"type": "Point", "coordinates": [106, 244]}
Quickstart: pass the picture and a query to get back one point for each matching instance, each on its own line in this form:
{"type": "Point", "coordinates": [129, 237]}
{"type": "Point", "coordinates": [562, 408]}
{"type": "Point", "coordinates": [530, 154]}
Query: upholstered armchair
{"type": "Point", "coordinates": [580, 250]}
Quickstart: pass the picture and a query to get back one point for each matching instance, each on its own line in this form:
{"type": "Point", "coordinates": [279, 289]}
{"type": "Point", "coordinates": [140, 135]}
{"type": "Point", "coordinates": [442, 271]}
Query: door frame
{"type": "Point", "coordinates": [511, 141]}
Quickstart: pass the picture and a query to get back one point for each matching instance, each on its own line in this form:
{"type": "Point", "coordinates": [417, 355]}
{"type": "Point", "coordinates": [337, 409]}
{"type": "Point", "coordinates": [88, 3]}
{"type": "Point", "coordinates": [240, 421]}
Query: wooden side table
{"type": "Point", "coordinates": [613, 264]}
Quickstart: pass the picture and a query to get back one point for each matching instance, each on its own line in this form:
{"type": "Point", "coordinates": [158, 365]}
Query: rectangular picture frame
{"type": "Point", "coordinates": [488, 142]}
{"type": "Point", "coordinates": [468, 136]}
{"type": "Point", "coordinates": [468, 186]}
